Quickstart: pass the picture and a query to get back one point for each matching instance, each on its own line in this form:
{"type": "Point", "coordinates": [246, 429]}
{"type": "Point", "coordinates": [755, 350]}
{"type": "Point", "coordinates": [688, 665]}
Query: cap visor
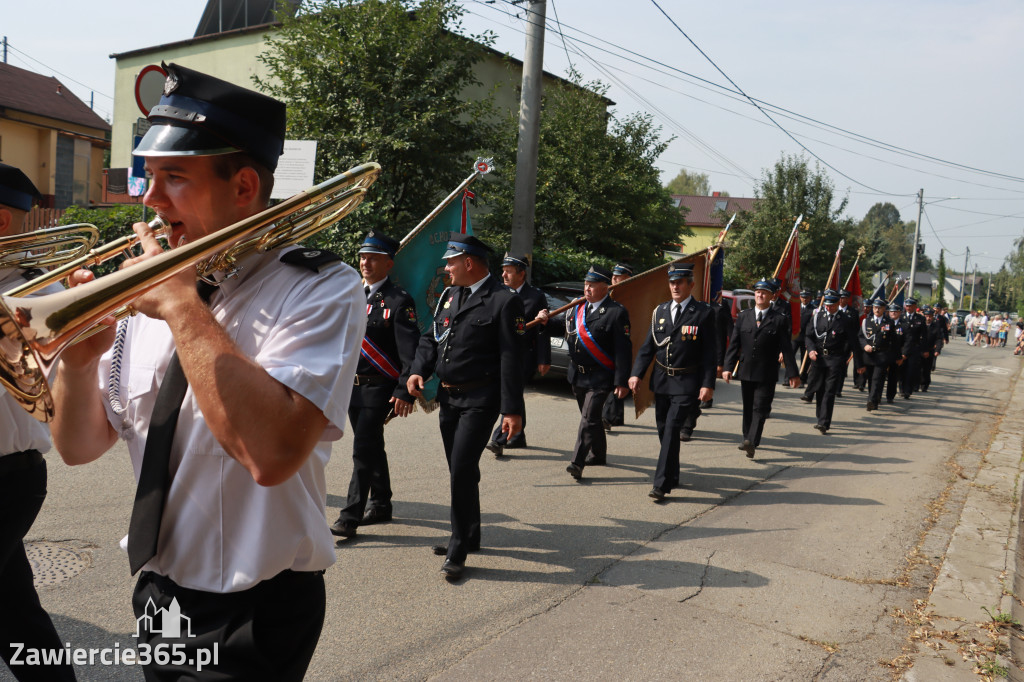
{"type": "Point", "coordinates": [168, 140]}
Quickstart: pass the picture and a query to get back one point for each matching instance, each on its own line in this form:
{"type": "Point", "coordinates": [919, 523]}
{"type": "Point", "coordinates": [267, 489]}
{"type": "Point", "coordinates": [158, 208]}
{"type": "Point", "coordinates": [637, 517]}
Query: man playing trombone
{"type": "Point", "coordinates": [23, 440]}
{"type": "Point", "coordinates": [229, 517]}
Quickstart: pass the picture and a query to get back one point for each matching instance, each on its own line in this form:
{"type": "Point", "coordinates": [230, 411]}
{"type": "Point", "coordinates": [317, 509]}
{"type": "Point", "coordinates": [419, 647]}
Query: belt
{"type": "Point", "coordinates": [584, 369]}
{"type": "Point", "coordinates": [675, 371]}
{"type": "Point", "coordinates": [468, 386]}
{"type": "Point", "coordinates": [372, 380]}
{"type": "Point", "coordinates": [20, 461]}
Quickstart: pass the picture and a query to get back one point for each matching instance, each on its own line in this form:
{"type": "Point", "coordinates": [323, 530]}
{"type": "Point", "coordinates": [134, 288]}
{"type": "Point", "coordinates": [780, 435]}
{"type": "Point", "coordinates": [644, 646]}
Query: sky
{"type": "Point", "coordinates": [891, 98]}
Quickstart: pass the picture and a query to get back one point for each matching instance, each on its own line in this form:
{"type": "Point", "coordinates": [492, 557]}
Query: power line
{"type": "Point", "coordinates": [63, 75]}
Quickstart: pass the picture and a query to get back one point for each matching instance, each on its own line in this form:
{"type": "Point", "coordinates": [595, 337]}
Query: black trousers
{"type": "Point", "coordinates": [927, 366]}
{"type": "Point", "coordinates": [883, 375]}
{"type": "Point", "coordinates": [910, 373]}
{"type": "Point", "coordinates": [22, 618]}
{"type": "Point", "coordinates": [670, 412]}
{"type": "Point", "coordinates": [464, 432]}
{"type": "Point", "coordinates": [614, 410]}
{"type": "Point", "coordinates": [371, 479]}
{"type": "Point", "coordinates": [757, 405]}
{"type": "Point", "coordinates": [518, 440]}
{"type": "Point", "coordinates": [824, 383]}
{"type": "Point", "coordinates": [809, 378]}
{"type": "Point", "coordinates": [590, 437]}
{"type": "Point", "coordinates": [268, 632]}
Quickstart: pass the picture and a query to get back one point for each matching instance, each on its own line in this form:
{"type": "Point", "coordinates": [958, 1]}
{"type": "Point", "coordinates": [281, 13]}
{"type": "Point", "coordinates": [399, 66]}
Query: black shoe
{"type": "Point", "coordinates": [748, 447]}
{"type": "Point", "coordinates": [452, 570]}
{"type": "Point", "coordinates": [924, 389]}
{"type": "Point", "coordinates": [839, 394]}
{"type": "Point", "coordinates": [607, 425]}
{"type": "Point", "coordinates": [376, 515]}
{"type": "Point", "coordinates": [592, 461]}
{"type": "Point", "coordinates": [906, 396]}
{"type": "Point", "coordinates": [575, 471]}
{"type": "Point", "coordinates": [806, 398]}
{"type": "Point", "coordinates": [344, 529]}
{"type": "Point", "coordinates": [872, 406]}
{"type": "Point", "coordinates": [821, 427]}
{"type": "Point", "coordinates": [889, 400]}
{"type": "Point", "coordinates": [706, 404]}
{"type": "Point", "coordinates": [657, 494]}
{"type": "Point", "coordinates": [685, 436]}
{"type": "Point", "coordinates": [495, 447]}
{"type": "Point", "coordinates": [515, 444]}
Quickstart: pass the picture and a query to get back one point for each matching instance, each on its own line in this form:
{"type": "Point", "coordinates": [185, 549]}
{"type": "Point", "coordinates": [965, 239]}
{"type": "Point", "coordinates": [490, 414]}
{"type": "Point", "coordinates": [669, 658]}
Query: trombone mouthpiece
{"type": "Point", "coordinates": [161, 228]}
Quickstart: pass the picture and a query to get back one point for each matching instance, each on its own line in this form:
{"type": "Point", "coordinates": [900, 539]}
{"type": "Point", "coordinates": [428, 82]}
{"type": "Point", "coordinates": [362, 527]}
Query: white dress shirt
{"type": "Point", "coordinates": [220, 531]}
{"type": "Point", "coordinates": [18, 429]}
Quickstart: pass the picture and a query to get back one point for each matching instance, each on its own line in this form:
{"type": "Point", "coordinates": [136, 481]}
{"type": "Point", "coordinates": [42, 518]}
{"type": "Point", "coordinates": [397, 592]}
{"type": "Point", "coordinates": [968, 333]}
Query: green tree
{"type": "Point", "coordinates": [889, 240]}
{"type": "Point", "coordinates": [599, 197]}
{"type": "Point", "coordinates": [690, 184]}
{"type": "Point", "coordinates": [371, 80]}
{"type": "Point", "coordinates": [789, 189]}
{"type": "Point", "coordinates": [113, 223]}
{"type": "Point", "coordinates": [940, 296]}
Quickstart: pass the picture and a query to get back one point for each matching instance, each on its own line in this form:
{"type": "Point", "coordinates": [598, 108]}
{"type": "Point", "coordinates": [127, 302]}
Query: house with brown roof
{"type": "Point", "coordinates": [52, 136]}
{"type": "Point", "coordinates": [706, 216]}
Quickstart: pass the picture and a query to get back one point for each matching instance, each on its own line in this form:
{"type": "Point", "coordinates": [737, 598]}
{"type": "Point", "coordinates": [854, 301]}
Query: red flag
{"type": "Point", "coordinates": [856, 295]}
{"type": "Point", "coordinates": [789, 274]}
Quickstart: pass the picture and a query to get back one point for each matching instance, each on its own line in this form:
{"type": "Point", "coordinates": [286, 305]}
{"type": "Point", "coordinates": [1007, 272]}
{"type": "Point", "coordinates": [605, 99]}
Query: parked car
{"type": "Point", "coordinates": [559, 294]}
{"type": "Point", "coordinates": [737, 300]}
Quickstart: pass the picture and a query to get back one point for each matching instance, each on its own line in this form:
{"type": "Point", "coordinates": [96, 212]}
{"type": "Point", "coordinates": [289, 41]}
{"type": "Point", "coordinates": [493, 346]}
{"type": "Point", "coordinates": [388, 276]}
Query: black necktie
{"type": "Point", "coordinates": [367, 290]}
{"type": "Point", "coordinates": [155, 476]}
{"type": "Point", "coordinates": [760, 316]}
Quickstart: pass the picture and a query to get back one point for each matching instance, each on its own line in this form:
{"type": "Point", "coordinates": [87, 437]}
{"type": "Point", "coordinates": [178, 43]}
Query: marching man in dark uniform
{"type": "Point", "coordinates": [599, 353]}
{"type": "Point", "coordinates": [760, 336]}
{"type": "Point", "coordinates": [474, 346]}
{"type": "Point", "coordinates": [882, 342]}
{"type": "Point", "coordinates": [828, 344]}
{"type": "Point", "coordinates": [23, 440]}
{"type": "Point", "coordinates": [934, 340]}
{"type": "Point", "coordinates": [806, 311]}
{"type": "Point", "coordinates": [614, 413]}
{"type": "Point", "coordinates": [385, 356]}
{"type": "Point", "coordinates": [681, 343]}
{"type": "Point", "coordinates": [853, 319]}
{"type": "Point", "coordinates": [536, 341]}
{"type": "Point", "coordinates": [915, 328]}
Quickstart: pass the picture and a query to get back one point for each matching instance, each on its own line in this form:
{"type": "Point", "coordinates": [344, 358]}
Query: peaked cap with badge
{"type": "Point", "coordinates": [16, 190]}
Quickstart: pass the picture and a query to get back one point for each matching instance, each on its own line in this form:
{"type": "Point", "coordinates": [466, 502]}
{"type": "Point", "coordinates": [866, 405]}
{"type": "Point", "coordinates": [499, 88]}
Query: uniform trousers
{"type": "Point", "coordinates": [883, 375]}
{"type": "Point", "coordinates": [808, 378]}
{"type": "Point", "coordinates": [824, 383]}
{"type": "Point", "coordinates": [370, 474]}
{"type": "Point", "coordinates": [267, 632]}
{"type": "Point", "coordinates": [518, 440]}
{"type": "Point", "coordinates": [670, 412]}
{"type": "Point", "coordinates": [590, 437]}
{"type": "Point", "coordinates": [927, 366]}
{"type": "Point", "coordinates": [464, 432]}
{"type": "Point", "coordinates": [910, 373]}
{"type": "Point", "coordinates": [22, 618]}
{"type": "Point", "coordinates": [757, 405]}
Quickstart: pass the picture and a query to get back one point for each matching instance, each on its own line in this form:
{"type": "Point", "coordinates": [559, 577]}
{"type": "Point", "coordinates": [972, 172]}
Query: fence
{"type": "Point", "coordinates": [39, 218]}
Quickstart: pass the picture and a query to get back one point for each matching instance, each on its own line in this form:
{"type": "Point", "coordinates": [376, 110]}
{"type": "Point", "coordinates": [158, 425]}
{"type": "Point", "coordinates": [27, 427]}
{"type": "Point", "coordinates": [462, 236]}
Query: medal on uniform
{"type": "Point", "coordinates": [600, 311]}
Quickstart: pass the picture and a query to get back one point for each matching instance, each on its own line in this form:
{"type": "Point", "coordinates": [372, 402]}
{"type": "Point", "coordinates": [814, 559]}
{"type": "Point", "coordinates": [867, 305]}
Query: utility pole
{"type": "Point", "coordinates": [529, 132]}
{"type": "Point", "coordinates": [917, 236]}
{"type": "Point", "coordinates": [973, 277]}
{"type": "Point", "coordinates": [988, 291]}
{"type": "Point", "coordinates": [5, 49]}
{"type": "Point", "coordinates": [963, 282]}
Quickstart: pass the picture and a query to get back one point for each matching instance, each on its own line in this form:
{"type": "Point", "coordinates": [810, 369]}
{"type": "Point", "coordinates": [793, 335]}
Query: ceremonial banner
{"type": "Point", "coordinates": [419, 268]}
{"type": "Point", "coordinates": [715, 278]}
{"type": "Point", "coordinates": [834, 280]}
{"type": "Point", "coordinates": [641, 294]}
{"type": "Point", "coordinates": [856, 295]}
{"type": "Point", "coordinates": [789, 274]}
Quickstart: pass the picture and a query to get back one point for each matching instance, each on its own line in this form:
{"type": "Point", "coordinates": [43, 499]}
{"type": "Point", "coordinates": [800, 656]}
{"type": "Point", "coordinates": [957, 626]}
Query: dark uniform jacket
{"type": "Point", "coordinates": [935, 336]}
{"type": "Point", "coordinates": [476, 347]}
{"type": "Point", "coordinates": [536, 340]}
{"type": "Point", "coordinates": [723, 331]}
{"type": "Point", "coordinates": [887, 340]}
{"type": "Point", "coordinates": [686, 362]}
{"type": "Point", "coordinates": [806, 311]}
{"type": "Point", "coordinates": [391, 326]}
{"type": "Point", "coordinates": [834, 338]}
{"type": "Point", "coordinates": [758, 348]}
{"type": "Point", "coordinates": [915, 327]}
{"type": "Point", "coordinates": [609, 326]}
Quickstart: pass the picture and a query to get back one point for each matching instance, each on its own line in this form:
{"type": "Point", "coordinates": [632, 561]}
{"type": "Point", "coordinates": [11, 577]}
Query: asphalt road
{"type": "Point", "coordinates": [787, 567]}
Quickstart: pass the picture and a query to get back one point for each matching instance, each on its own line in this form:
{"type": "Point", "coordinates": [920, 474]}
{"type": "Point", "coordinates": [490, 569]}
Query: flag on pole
{"type": "Point", "coordinates": [833, 282]}
{"type": "Point", "coordinates": [856, 295]}
{"type": "Point", "coordinates": [715, 278]}
{"type": "Point", "coordinates": [419, 267]}
{"type": "Point", "coordinates": [789, 275]}
{"type": "Point", "coordinates": [641, 294]}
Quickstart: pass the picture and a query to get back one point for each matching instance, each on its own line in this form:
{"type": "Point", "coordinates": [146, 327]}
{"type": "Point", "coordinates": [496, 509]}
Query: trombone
{"type": "Point", "coordinates": [48, 247]}
{"type": "Point", "coordinates": [35, 330]}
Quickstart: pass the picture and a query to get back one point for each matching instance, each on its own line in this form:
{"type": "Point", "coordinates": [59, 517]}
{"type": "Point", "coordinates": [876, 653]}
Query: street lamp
{"type": "Point", "coordinates": [917, 235]}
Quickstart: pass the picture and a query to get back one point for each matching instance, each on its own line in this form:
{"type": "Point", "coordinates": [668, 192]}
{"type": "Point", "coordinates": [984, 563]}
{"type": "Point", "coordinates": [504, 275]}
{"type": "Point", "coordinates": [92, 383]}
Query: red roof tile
{"type": "Point", "coordinates": [32, 93]}
{"type": "Point", "coordinates": [703, 209]}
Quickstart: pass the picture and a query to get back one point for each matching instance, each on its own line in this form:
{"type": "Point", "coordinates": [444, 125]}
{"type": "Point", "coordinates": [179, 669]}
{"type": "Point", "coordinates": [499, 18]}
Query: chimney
{"type": "Point", "coordinates": [716, 194]}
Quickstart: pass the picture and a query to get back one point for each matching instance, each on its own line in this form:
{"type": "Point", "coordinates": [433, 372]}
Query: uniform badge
{"type": "Point", "coordinates": [661, 321]}
{"type": "Point", "coordinates": [600, 311]}
{"type": "Point", "coordinates": [625, 328]}
{"type": "Point", "coordinates": [446, 320]}
{"type": "Point", "coordinates": [410, 313]}
{"type": "Point", "coordinates": [387, 313]}
{"type": "Point", "coordinates": [448, 303]}
{"type": "Point", "coordinates": [520, 326]}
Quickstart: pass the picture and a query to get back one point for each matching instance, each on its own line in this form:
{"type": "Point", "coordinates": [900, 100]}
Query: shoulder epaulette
{"type": "Point", "coordinates": [313, 259]}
